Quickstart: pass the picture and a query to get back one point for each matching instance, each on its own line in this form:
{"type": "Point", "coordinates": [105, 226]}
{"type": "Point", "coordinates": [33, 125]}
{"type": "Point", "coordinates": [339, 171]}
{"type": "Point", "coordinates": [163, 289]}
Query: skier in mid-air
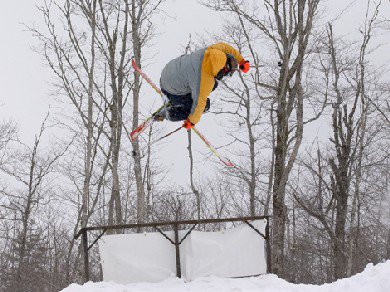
{"type": "Point", "coordinates": [188, 80]}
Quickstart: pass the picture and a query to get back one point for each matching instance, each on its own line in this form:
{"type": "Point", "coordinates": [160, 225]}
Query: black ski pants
{"type": "Point", "coordinates": [180, 106]}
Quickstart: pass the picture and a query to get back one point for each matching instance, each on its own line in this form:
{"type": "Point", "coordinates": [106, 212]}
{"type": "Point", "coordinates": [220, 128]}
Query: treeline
{"type": "Point", "coordinates": [308, 128]}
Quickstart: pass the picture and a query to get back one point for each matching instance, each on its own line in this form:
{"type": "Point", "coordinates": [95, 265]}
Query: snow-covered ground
{"type": "Point", "coordinates": [372, 279]}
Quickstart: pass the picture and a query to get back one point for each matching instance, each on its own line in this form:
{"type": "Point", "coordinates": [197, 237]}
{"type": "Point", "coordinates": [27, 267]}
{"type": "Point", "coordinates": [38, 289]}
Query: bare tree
{"type": "Point", "coordinates": [288, 27]}
{"type": "Point", "coordinates": [8, 132]}
{"type": "Point", "coordinates": [192, 184]}
{"type": "Point", "coordinates": [361, 129]}
{"type": "Point", "coordinates": [350, 140]}
{"type": "Point", "coordinates": [248, 107]}
{"type": "Point", "coordinates": [141, 32]}
{"type": "Point", "coordinates": [344, 129]}
{"type": "Point", "coordinates": [30, 168]}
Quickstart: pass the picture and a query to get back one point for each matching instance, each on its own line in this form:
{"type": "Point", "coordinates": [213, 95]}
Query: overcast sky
{"type": "Point", "coordinates": [24, 79]}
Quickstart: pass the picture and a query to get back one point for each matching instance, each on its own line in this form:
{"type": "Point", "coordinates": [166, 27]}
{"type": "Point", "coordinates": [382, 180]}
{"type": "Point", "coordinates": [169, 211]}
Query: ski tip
{"type": "Point", "coordinates": [133, 63]}
{"type": "Point", "coordinates": [133, 135]}
{"type": "Point", "coordinates": [228, 164]}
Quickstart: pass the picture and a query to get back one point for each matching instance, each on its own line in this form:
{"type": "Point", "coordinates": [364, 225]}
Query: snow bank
{"type": "Point", "coordinates": [372, 279]}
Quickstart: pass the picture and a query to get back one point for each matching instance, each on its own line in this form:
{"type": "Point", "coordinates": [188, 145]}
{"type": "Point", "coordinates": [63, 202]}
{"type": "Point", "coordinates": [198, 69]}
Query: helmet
{"type": "Point", "coordinates": [230, 67]}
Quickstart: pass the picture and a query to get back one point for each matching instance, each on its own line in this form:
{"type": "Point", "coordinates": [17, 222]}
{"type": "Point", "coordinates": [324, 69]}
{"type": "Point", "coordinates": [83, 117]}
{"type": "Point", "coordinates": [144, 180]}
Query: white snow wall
{"type": "Point", "coordinates": [149, 257]}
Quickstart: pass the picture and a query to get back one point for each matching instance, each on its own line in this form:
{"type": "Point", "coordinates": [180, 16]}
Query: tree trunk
{"type": "Point", "coordinates": [88, 156]}
{"type": "Point", "coordinates": [252, 181]}
{"type": "Point", "coordinates": [388, 245]}
{"type": "Point", "coordinates": [141, 208]}
{"type": "Point", "coordinates": [193, 188]}
{"type": "Point", "coordinates": [339, 248]}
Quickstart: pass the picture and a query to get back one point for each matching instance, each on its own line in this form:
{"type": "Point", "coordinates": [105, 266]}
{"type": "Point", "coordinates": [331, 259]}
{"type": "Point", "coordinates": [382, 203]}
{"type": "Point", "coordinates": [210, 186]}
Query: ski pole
{"type": "Point", "coordinates": [213, 150]}
{"type": "Point", "coordinates": [167, 135]}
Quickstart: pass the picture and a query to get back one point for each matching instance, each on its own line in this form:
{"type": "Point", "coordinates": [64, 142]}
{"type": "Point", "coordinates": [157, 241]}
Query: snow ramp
{"type": "Point", "coordinates": [372, 279]}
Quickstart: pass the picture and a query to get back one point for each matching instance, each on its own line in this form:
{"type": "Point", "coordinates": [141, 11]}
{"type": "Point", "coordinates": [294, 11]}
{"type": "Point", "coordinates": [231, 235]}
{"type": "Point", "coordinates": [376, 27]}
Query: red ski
{"type": "Point", "coordinates": [136, 132]}
{"type": "Point", "coordinates": [136, 68]}
{"type": "Point", "coordinates": [149, 121]}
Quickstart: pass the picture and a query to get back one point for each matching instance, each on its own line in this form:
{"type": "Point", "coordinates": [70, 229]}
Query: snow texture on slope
{"type": "Point", "coordinates": [372, 279]}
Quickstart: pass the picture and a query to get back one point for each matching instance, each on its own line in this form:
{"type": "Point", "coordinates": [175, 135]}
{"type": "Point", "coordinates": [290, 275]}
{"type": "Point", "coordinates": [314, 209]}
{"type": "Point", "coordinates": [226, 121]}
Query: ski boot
{"type": "Point", "coordinates": [161, 115]}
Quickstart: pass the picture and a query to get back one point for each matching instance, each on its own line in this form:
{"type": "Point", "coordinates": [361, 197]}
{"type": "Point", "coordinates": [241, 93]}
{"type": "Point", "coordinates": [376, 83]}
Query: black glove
{"type": "Point", "coordinates": [215, 85]}
{"type": "Point", "coordinates": [207, 107]}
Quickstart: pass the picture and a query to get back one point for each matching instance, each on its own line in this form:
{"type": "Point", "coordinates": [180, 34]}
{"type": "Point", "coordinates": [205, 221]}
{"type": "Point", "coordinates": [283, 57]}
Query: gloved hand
{"type": "Point", "coordinates": [244, 66]}
{"type": "Point", "coordinates": [187, 124]}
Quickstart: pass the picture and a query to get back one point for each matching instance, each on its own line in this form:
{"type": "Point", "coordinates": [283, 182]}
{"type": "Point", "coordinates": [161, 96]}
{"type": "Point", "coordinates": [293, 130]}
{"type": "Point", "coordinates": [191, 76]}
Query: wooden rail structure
{"type": "Point", "coordinates": [175, 226]}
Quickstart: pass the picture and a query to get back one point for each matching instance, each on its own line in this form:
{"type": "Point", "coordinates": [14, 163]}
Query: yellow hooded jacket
{"type": "Point", "coordinates": [195, 73]}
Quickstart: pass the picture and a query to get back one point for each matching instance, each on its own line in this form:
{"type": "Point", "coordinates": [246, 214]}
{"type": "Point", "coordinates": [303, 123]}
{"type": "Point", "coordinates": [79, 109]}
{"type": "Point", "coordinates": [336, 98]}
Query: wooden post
{"type": "Point", "coordinates": [177, 247]}
{"type": "Point", "coordinates": [86, 257]}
